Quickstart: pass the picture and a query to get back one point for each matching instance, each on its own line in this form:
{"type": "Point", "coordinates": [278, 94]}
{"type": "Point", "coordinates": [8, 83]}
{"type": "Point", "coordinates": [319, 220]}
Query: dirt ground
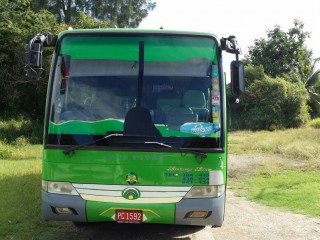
{"type": "Point", "coordinates": [248, 220]}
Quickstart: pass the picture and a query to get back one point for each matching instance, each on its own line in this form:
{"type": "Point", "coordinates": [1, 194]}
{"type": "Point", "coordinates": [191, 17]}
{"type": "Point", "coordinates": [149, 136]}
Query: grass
{"type": "Point", "coordinates": [302, 143]}
{"type": "Point", "coordinates": [292, 182]}
{"type": "Point", "coordinates": [289, 190]}
{"type": "Point", "coordinates": [20, 199]}
{"type": "Point", "coordinates": [20, 183]}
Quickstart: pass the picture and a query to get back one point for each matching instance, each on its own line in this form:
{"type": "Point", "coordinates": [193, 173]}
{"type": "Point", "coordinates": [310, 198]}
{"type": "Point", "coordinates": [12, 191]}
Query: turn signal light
{"type": "Point", "coordinates": [198, 214]}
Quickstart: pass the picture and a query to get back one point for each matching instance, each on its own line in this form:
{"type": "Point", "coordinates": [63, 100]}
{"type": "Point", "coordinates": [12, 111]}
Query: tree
{"type": "Point", "coordinates": [283, 54]}
{"type": "Point", "coordinates": [82, 20]}
{"type": "Point", "coordinates": [313, 88]}
{"type": "Point", "coordinates": [120, 13]}
{"type": "Point", "coordinates": [276, 73]}
{"type": "Point", "coordinates": [17, 23]}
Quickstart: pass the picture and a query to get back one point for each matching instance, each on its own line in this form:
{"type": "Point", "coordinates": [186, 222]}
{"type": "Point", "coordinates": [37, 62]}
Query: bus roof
{"type": "Point", "coordinates": [134, 31]}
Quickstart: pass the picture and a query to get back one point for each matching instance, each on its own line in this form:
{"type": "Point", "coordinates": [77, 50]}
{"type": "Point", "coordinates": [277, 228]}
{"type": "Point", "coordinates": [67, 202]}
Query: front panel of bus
{"type": "Point", "coordinates": [135, 129]}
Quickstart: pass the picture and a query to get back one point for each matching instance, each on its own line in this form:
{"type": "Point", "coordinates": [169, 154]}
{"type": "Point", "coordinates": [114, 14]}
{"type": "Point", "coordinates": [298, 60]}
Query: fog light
{"type": "Point", "coordinates": [198, 214]}
{"type": "Point", "coordinates": [64, 210]}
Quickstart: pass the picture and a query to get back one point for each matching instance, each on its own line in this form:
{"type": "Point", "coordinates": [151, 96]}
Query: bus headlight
{"type": "Point", "coordinates": [205, 191]}
{"type": "Point", "coordinates": [59, 187]}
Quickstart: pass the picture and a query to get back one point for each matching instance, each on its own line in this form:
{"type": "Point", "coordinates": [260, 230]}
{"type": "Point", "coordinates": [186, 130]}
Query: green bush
{"type": "Point", "coordinates": [20, 132]}
{"type": "Point", "coordinates": [270, 104]}
{"type": "Point", "coordinates": [315, 123]}
{"type": "Point", "coordinates": [253, 73]}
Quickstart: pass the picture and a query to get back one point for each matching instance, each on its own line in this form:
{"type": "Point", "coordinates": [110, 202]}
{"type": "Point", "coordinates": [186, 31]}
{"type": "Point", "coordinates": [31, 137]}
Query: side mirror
{"type": "Point", "coordinates": [237, 78]}
{"type": "Point", "coordinates": [33, 59]}
{"type": "Point", "coordinates": [34, 53]}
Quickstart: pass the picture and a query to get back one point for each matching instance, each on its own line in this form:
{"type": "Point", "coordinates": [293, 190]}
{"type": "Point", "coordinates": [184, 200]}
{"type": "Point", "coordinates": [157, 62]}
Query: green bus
{"type": "Point", "coordinates": [136, 125]}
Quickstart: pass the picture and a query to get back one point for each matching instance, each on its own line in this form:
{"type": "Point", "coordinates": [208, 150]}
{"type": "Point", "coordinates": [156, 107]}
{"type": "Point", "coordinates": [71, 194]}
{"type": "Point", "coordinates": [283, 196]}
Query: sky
{"type": "Point", "coordinates": [246, 19]}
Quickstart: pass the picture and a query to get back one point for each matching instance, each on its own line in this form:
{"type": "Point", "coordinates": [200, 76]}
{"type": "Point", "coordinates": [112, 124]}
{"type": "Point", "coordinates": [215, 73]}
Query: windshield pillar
{"type": "Point", "coordinates": [141, 73]}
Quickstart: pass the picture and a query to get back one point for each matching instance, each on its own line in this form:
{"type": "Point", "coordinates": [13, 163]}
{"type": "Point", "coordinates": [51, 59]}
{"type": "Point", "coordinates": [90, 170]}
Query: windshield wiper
{"type": "Point", "coordinates": [72, 149]}
{"type": "Point", "coordinates": [195, 153]}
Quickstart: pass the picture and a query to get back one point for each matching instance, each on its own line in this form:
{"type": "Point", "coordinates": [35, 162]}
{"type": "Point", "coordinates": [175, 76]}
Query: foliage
{"type": "Point", "coordinates": [253, 73]}
{"type": "Point", "coordinates": [82, 20]}
{"type": "Point", "coordinates": [121, 13]}
{"type": "Point", "coordinates": [22, 19]}
{"type": "Point", "coordinates": [17, 23]}
{"type": "Point", "coordinates": [16, 131]}
{"type": "Point", "coordinates": [271, 103]}
{"type": "Point", "coordinates": [275, 70]}
{"type": "Point", "coordinates": [315, 123]}
{"type": "Point", "coordinates": [283, 54]}
{"type": "Point", "coordinates": [313, 87]}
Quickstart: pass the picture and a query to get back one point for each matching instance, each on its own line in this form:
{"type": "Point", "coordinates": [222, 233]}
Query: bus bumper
{"type": "Point", "coordinates": [213, 206]}
{"type": "Point", "coordinates": [73, 208]}
{"type": "Point", "coordinates": [63, 207]}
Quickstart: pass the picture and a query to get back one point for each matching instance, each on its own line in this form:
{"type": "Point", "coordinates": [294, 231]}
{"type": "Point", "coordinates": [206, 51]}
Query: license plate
{"type": "Point", "coordinates": [129, 216]}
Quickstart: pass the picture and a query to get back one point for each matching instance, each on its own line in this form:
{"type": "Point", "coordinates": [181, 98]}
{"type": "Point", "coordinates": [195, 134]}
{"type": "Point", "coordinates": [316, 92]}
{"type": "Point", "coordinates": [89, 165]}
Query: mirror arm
{"type": "Point", "coordinates": [230, 45]}
{"type": "Point", "coordinates": [237, 57]}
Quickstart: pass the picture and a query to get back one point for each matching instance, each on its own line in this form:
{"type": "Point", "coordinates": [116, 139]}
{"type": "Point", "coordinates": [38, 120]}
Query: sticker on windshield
{"type": "Point", "coordinates": [202, 129]}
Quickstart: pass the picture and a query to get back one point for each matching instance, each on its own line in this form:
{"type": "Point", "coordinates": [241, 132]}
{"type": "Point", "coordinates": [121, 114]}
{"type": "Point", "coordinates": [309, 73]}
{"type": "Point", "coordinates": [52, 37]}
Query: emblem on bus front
{"type": "Point", "coordinates": [131, 178]}
{"type": "Point", "coordinates": [131, 193]}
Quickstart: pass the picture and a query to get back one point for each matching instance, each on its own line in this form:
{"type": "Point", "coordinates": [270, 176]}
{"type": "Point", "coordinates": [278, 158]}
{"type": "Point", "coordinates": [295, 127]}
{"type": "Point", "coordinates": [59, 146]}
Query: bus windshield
{"type": "Point", "coordinates": [166, 87]}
